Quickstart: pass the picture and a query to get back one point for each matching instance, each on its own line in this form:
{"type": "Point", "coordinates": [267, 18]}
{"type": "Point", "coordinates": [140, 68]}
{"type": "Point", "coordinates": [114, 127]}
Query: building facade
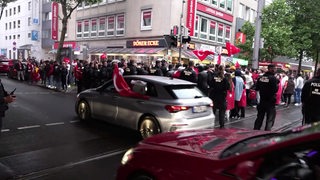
{"type": "Point", "coordinates": [20, 32]}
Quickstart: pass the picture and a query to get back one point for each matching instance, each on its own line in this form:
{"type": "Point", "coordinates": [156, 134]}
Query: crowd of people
{"type": "Point", "coordinates": [231, 88]}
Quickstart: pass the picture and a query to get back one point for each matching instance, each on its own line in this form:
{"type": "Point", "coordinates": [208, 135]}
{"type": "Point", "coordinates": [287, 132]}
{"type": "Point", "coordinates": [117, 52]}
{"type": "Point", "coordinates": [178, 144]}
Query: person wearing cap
{"type": "Point", "coordinates": [310, 98]}
{"type": "Point", "coordinates": [267, 85]}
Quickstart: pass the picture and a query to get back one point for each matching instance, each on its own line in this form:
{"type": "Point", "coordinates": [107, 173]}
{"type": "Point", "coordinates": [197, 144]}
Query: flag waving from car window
{"type": "Point", "coordinates": [121, 85]}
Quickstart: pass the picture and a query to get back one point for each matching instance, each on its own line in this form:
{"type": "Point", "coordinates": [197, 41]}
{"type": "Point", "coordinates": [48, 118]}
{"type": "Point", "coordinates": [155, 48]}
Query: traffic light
{"type": "Point", "coordinates": [186, 39]}
{"type": "Point", "coordinates": [185, 35]}
{"type": "Point", "coordinates": [171, 40]}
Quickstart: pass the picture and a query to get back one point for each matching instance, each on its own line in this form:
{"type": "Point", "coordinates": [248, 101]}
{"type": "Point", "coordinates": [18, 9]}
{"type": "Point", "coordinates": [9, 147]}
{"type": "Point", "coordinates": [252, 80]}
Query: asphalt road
{"type": "Point", "coordinates": [43, 139]}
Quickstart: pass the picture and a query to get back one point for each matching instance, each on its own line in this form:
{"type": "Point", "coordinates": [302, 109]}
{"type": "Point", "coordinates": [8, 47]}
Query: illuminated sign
{"type": "Point", "coordinates": [146, 43]}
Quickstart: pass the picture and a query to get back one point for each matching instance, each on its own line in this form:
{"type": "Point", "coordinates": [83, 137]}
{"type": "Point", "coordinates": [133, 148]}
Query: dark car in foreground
{"type": "Point", "coordinates": [226, 154]}
{"type": "Point", "coordinates": [171, 105]}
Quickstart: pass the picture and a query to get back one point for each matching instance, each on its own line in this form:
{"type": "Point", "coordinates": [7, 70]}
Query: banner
{"type": "Point", "coordinates": [191, 13]}
{"type": "Point", "coordinates": [54, 21]}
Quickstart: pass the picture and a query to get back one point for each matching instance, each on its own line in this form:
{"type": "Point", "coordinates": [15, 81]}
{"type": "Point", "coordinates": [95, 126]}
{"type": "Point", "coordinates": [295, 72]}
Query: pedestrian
{"type": "Point", "coordinates": [219, 86]}
{"type": "Point", "coordinates": [288, 90]}
{"type": "Point", "coordinates": [267, 85]}
{"type": "Point", "coordinates": [189, 73]}
{"type": "Point", "coordinates": [310, 99]}
{"type": "Point", "coordinates": [239, 87]}
{"type": "Point", "coordinates": [202, 82]}
{"type": "Point", "coordinates": [230, 96]}
{"type": "Point", "coordinates": [298, 88]}
{"type": "Point", "coordinates": [5, 99]}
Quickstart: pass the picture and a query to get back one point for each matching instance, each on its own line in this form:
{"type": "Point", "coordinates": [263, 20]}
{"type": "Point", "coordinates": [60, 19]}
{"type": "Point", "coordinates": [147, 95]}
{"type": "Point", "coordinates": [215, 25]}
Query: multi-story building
{"type": "Point", "coordinates": [136, 28]}
{"type": "Point", "coordinates": [20, 30]}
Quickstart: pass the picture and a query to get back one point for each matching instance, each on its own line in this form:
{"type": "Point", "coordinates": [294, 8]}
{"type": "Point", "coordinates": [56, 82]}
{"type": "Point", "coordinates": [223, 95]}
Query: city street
{"type": "Point", "coordinates": [43, 139]}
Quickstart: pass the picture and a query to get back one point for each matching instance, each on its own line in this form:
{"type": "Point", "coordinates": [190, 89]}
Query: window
{"type": "Point", "coordinates": [196, 27]}
{"type": "Point", "coordinates": [79, 29]}
{"type": "Point", "coordinates": [241, 10]}
{"type": "Point", "coordinates": [14, 36]}
{"type": "Point", "coordinates": [46, 34]}
{"type": "Point", "coordinates": [229, 5]}
{"type": "Point", "coordinates": [203, 28]}
{"type": "Point", "coordinates": [10, 12]}
{"type": "Point", "coordinates": [94, 28]}
{"type": "Point", "coordinates": [18, 36]}
{"type": "Point", "coordinates": [222, 4]}
{"type": "Point", "coordinates": [47, 16]}
{"type": "Point", "coordinates": [9, 25]}
{"type": "Point", "coordinates": [14, 10]}
{"type": "Point", "coordinates": [247, 17]}
{"type": "Point", "coordinates": [146, 23]}
{"type": "Point", "coordinates": [6, 26]}
{"type": "Point", "coordinates": [212, 32]}
{"type": "Point", "coordinates": [29, 5]}
{"type": "Point", "coordinates": [6, 37]}
{"type": "Point", "coordinates": [228, 34]}
{"type": "Point", "coordinates": [29, 35]}
{"type": "Point", "coordinates": [29, 21]}
{"type": "Point", "coordinates": [19, 9]}
{"type": "Point", "coordinates": [86, 29]}
{"type": "Point", "coordinates": [102, 27]}
{"type": "Point", "coordinates": [214, 2]}
{"type": "Point", "coordinates": [14, 24]}
{"type": "Point", "coordinates": [6, 13]}
{"type": "Point", "coordinates": [18, 23]}
{"type": "Point", "coordinates": [220, 33]}
{"type": "Point", "coordinates": [110, 27]}
{"type": "Point", "coordinates": [120, 25]}
{"type": "Point", "coordinates": [9, 37]}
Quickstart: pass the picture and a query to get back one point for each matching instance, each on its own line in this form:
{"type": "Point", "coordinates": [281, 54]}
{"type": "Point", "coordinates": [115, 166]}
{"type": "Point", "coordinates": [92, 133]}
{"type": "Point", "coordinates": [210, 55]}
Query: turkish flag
{"type": "Point", "coordinates": [237, 65]}
{"type": "Point", "coordinates": [121, 85]}
{"type": "Point", "coordinates": [232, 49]}
{"type": "Point", "coordinates": [202, 54]}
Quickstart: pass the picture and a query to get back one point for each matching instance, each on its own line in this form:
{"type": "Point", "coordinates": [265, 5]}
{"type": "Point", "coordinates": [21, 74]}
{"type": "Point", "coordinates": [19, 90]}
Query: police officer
{"type": "Point", "coordinates": [218, 91]}
{"type": "Point", "coordinates": [156, 70]}
{"type": "Point", "coordinates": [267, 85]}
{"type": "Point", "coordinates": [131, 68]}
{"type": "Point", "coordinates": [189, 74]}
{"type": "Point", "coordinates": [310, 99]}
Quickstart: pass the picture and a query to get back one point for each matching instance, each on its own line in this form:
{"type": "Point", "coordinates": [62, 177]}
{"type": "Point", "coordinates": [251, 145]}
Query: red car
{"type": "Point", "coordinates": [224, 154]}
{"type": "Point", "coordinates": [5, 64]}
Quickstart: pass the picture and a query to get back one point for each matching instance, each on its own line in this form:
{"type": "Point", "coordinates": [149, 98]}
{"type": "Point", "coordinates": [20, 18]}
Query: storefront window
{"type": "Point", "coordinates": [220, 33]}
{"type": "Point", "coordinates": [86, 29]}
{"type": "Point", "coordinates": [212, 34]}
{"type": "Point", "coordinates": [203, 28]}
{"type": "Point", "coordinates": [110, 28]}
{"type": "Point", "coordinates": [146, 22]}
{"type": "Point", "coordinates": [79, 29]}
{"type": "Point", "coordinates": [94, 28]}
{"type": "Point", "coordinates": [102, 27]}
{"type": "Point", "coordinates": [120, 25]}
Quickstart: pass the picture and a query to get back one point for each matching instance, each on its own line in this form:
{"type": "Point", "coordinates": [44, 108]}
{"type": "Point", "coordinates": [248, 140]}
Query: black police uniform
{"type": "Point", "coordinates": [218, 93]}
{"type": "Point", "coordinates": [310, 98]}
{"type": "Point", "coordinates": [267, 85]}
{"type": "Point", "coordinates": [189, 74]}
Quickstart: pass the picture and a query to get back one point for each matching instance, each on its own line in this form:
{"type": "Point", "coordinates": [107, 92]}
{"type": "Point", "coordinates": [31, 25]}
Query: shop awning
{"type": "Point", "coordinates": [26, 46]}
{"type": "Point", "coordinates": [126, 50]}
{"type": "Point", "coordinates": [186, 53]}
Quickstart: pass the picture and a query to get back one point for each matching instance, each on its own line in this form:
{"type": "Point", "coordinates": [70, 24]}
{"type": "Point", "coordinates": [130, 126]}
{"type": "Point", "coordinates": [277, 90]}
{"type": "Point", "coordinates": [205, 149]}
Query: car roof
{"type": "Point", "coordinates": [161, 80]}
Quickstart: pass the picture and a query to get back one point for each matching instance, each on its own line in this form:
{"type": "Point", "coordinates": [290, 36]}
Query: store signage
{"type": "Point", "coordinates": [54, 21]}
{"type": "Point", "coordinates": [70, 44]}
{"type": "Point", "coordinates": [191, 13]}
{"type": "Point", "coordinates": [146, 43]}
{"type": "Point", "coordinates": [214, 12]}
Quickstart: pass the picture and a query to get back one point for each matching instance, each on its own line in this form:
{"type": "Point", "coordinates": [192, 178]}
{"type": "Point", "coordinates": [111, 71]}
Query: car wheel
{"type": "Point", "coordinates": [83, 110]}
{"type": "Point", "coordinates": [149, 127]}
{"type": "Point", "coordinates": [142, 177]}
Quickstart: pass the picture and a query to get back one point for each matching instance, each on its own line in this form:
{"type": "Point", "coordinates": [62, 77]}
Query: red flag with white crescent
{"type": "Point", "coordinates": [202, 54]}
{"type": "Point", "coordinates": [219, 59]}
{"type": "Point", "coordinates": [232, 49]}
{"type": "Point", "coordinates": [121, 85]}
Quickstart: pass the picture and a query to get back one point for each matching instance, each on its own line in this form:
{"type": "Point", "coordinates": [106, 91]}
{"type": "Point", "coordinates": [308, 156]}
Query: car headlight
{"type": "Point", "coordinates": [127, 156]}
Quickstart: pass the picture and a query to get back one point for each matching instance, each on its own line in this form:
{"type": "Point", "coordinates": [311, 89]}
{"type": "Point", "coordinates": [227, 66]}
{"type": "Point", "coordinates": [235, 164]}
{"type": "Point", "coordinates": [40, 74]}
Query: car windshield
{"type": "Point", "coordinates": [185, 91]}
{"type": "Point", "coordinates": [261, 141]}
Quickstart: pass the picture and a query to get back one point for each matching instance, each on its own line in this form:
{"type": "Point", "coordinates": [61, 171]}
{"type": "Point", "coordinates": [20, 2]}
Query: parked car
{"type": "Point", "coordinates": [5, 63]}
{"type": "Point", "coordinates": [173, 104]}
{"type": "Point", "coordinates": [226, 154]}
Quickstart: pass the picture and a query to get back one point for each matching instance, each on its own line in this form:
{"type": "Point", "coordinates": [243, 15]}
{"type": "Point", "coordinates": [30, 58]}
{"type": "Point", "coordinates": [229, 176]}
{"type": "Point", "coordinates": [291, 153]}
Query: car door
{"type": "Point", "coordinates": [105, 103]}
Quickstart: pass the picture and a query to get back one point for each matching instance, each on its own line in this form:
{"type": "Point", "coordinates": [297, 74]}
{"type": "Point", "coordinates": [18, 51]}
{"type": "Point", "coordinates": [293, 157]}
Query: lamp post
{"type": "Point", "coordinates": [180, 31]}
{"type": "Point", "coordinates": [257, 35]}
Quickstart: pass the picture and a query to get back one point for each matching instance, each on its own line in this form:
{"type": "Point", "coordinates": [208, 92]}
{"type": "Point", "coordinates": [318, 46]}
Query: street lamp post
{"type": "Point", "coordinates": [257, 35]}
{"type": "Point", "coordinates": [180, 30]}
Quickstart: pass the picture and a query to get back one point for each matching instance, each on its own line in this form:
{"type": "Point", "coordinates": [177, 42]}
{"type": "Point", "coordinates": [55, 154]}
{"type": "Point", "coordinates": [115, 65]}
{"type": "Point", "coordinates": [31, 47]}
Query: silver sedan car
{"type": "Point", "coordinates": [172, 105]}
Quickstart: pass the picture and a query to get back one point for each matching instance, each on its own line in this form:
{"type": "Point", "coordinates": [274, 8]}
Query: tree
{"type": "Point", "coordinates": [3, 4]}
{"type": "Point", "coordinates": [68, 7]}
{"type": "Point", "coordinates": [276, 29]}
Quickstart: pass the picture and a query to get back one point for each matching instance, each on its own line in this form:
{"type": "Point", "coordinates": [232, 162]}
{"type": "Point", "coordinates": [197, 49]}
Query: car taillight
{"type": "Point", "coordinates": [174, 109]}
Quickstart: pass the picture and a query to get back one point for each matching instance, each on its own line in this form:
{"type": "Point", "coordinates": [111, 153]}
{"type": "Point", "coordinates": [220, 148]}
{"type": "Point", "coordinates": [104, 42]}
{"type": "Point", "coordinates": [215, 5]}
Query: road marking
{"type": "Point", "coordinates": [54, 124]}
{"type": "Point", "coordinates": [28, 127]}
{"type": "Point", "coordinates": [74, 121]}
{"type": "Point", "coordinates": [5, 130]}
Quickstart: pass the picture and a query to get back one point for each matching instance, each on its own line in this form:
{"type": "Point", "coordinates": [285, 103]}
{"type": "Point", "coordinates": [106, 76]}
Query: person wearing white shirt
{"type": "Point", "coordinates": [298, 88]}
